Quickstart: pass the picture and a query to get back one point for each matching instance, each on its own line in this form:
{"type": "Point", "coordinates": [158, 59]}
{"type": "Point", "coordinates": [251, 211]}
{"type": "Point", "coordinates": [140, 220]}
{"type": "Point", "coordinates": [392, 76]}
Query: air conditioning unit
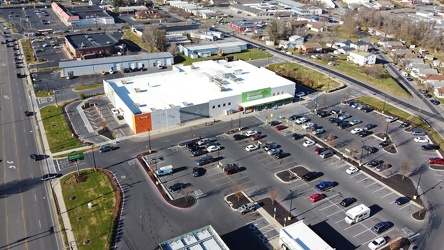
{"type": "Point", "coordinates": [137, 104]}
{"type": "Point", "coordinates": [137, 90]}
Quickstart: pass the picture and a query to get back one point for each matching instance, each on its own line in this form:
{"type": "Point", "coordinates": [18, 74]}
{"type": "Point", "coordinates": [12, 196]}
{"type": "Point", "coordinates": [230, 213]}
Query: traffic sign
{"type": "Point", "coordinates": [74, 157]}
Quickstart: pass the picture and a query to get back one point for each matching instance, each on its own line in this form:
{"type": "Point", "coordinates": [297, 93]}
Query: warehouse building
{"type": "Point", "coordinates": [115, 63]}
{"type": "Point", "coordinates": [97, 44]}
{"type": "Point", "coordinates": [206, 50]}
{"type": "Point", "coordinates": [200, 239]}
{"type": "Point", "coordinates": [202, 90]}
{"type": "Point", "coordinates": [299, 236]}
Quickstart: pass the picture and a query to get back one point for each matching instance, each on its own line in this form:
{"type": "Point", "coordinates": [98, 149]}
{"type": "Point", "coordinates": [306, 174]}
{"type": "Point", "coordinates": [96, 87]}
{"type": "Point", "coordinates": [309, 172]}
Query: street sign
{"type": "Point", "coordinates": [75, 157]}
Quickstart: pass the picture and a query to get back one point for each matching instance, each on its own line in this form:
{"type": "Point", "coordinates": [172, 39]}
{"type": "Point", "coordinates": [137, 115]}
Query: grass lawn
{"type": "Point", "coordinates": [343, 34]}
{"type": "Point", "coordinates": [95, 224]}
{"type": "Point", "coordinates": [392, 110]}
{"type": "Point", "coordinates": [386, 83]}
{"type": "Point", "coordinates": [131, 36]}
{"type": "Point", "coordinates": [57, 131]}
{"type": "Point", "coordinates": [321, 82]}
{"type": "Point", "coordinates": [89, 86]}
{"type": "Point", "coordinates": [43, 93]}
{"type": "Point", "coordinates": [27, 49]}
{"type": "Point", "coordinates": [254, 54]}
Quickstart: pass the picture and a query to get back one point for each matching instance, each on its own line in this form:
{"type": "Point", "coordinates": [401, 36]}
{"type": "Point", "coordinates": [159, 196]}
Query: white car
{"type": "Point", "coordinates": [308, 143]}
{"type": "Point", "coordinates": [356, 130]}
{"type": "Point", "coordinates": [251, 133]}
{"type": "Point", "coordinates": [352, 170]}
{"type": "Point", "coordinates": [377, 243]}
{"type": "Point", "coordinates": [300, 94]}
{"type": "Point", "coordinates": [251, 147]}
{"type": "Point", "coordinates": [301, 120]}
{"type": "Point", "coordinates": [307, 125]}
{"type": "Point", "coordinates": [115, 111]}
{"type": "Point", "coordinates": [354, 122]}
{"type": "Point", "coordinates": [391, 119]}
{"type": "Point", "coordinates": [273, 151]}
{"type": "Point", "coordinates": [421, 139]}
{"type": "Point", "coordinates": [213, 148]}
{"type": "Point", "coordinates": [318, 131]}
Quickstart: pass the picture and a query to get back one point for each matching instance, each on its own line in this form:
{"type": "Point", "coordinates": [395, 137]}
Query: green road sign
{"type": "Point", "coordinates": [75, 156]}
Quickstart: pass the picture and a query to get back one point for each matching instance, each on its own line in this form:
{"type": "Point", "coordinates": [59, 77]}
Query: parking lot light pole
{"type": "Point", "coordinates": [362, 152]}
{"type": "Point", "coordinates": [386, 131]}
{"type": "Point", "coordinates": [417, 186]}
{"type": "Point", "coordinates": [291, 204]}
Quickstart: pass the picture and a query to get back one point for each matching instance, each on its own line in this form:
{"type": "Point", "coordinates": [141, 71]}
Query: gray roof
{"type": "Point", "coordinates": [114, 59]}
{"type": "Point", "coordinates": [245, 8]}
{"type": "Point", "coordinates": [178, 28]}
{"type": "Point", "coordinates": [91, 40]}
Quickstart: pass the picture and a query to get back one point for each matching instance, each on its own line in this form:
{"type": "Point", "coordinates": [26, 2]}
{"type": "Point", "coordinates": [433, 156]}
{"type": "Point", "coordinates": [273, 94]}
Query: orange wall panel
{"type": "Point", "coordinates": [142, 123]}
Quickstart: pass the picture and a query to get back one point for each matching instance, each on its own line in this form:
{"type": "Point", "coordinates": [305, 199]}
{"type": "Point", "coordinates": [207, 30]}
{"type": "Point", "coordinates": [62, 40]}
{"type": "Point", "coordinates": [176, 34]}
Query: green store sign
{"type": "Point", "coordinates": [256, 94]}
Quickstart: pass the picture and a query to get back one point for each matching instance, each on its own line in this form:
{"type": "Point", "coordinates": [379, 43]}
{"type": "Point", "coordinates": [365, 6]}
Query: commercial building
{"type": "Point", "coordinates": [117, 63]}
{"type": "Point", "coordinates": [299, 236]}
{"type": "Point", "coordinates": [206, 50]}
{"type": "Point", "coordinates": [99, 44]}
{"type": "Point", "coordinates": [82, 15]}
{"type": "Point", "coordinates": [200, 239]}
{"type": "Point", "coordinates": [202, 90]}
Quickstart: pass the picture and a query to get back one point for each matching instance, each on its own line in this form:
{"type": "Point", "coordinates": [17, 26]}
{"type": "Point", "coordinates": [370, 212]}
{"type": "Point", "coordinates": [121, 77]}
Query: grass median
{"type": "Point", "coordinates": [58, 133]}
{"type": "Point", "coordinates": [92, 227]}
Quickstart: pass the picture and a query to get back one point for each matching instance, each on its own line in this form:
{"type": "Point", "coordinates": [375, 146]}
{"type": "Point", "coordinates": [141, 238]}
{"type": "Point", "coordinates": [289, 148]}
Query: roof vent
{"type": "Point", "coordinates": [137, 90]}
{"type": "Point", "coordinates": [124, 82]}
{"type": "Point", "coordinates": [108, 42]}
{"type": "Point", "coordinates": [137, 104]}
{"type": "Point", "coordinates": [82, 45]}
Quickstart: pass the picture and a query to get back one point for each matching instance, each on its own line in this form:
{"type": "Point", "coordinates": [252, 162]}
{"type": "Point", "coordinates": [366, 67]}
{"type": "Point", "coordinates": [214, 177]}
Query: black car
{"type": "Point", "coordinates": [367, 109]}
{"type": "Point", "coordinates": [427, 95]}
{"type": "Point", "coordinates": [322, 113]}
{"type": "Point", "coordinates": [294, 117]}
{"type": "Point", "coordinates": [405, 124]}
{"type": "Point", "coordinates": [49, 176]}
{"type": "Point", "coordinates": [178, 186]}
{"type": "Point", "coordinates": [370, 126]}
{"type": "Point", "coordinates": [281, 155]}
{"type": "Point", "coordinates": [402, 200]}
{"type": "Point", "coordinates": [370, 149]}
{"type": "Point", "coordinates": [296, 136]}
{"type": "Point", "coordinates": [199, 152]}
{"type": "Point", "coordinates": [381, 227]}
{"type": "Point", "coordinates": [435, 102]}
{"type": "Point", "coordinates": [274, 123]}
{"type": "Point", "coordinates": [347, 202]}
{"type": "Point", "coordinates": [334, 120]}
{"type": "Point", "coordinates": [196, 172]}
{"type": "Point", "coordinates": [310, 176]}
{"type": "Point", "coordinates": [375, 163]}
{"type": "Point", "coordinates": [364, 133]}
{"type": "Point", "coordinates": [269, 146]}
{"type": "Point", "coordinates": [194, 147]}
{"type": "Point", "coordinates": [126, 70]}
{"type": "Point", "coordinates": [430, 147]}
{"type": "Point", "coordinates": [383, 167]}
{"type": "Point", "coordinates": [36, 157]}
{"type": "Point", "coordinates": [384, 144]}
{"type": "Point", "coordinates": [238, 137]}
{"type": "Point", "coordinates": [107, 148]}
{"type": "Point", "coordinates": [344, 125]}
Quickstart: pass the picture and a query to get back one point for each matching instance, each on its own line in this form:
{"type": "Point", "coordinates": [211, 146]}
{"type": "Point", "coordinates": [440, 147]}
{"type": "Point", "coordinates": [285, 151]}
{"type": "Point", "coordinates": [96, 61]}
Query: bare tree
{"type": "Point", "coordinates": [187, 193]}
{"type": "Point", "coordinates": [273, 193]}
{"type": "Point", "coordinates": [81, 81]}
{"type": "Point", "coordinates": [331, 140]}
{"type": "Point", "coordinates": [154, 39]}
{"type": "Point", "coordinates": [238, 191]}
{"type": "Point", "coordinates": [405, 168]}
{"type": "Point", "coordinates": [354, 150]}
{"type": "Point", "coordinates": [395, 244]}
{"type": "Point", "coordinates": [173, 49]}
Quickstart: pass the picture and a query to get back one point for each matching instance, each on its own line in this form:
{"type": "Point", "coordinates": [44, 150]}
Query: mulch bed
{"type": "Point", "coordinates": [106, 132]}
{"type": "Point", "coordinates": [401, 243]}
{"type": "Point", "coordinates": [286, 176]}
{"type": "Point", "coordinates": [437, 167]}
{"type": "Point", "coordinates": [182, 202]}
{"type": "Point", "coordinates": [239, 199]}
{"type": "Point", "coordinates": [390, 148]}
{"type": "Point", "coordinates": [419, 215]}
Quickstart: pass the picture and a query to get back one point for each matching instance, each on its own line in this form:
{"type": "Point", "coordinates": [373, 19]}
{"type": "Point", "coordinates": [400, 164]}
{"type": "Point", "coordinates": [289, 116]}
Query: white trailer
{"type": "Point", "coordinates": [357, 214]}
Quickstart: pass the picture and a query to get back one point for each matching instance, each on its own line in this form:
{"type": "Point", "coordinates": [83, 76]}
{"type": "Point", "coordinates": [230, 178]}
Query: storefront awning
{"type": "Point", "coordinates": [266, 100]}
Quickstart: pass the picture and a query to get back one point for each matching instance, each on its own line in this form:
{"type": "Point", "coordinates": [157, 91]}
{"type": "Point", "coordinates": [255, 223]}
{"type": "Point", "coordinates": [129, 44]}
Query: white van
{"type": "Point", "coordinates": [164, 170]}
{"type": "Point", "coordinates": [403, 73]}
{"type": "Point", "coordinates": [326, 154]}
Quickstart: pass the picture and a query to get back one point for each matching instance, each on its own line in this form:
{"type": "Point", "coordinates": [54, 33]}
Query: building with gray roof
{"type": "Point", "coordinates": [101, 44]}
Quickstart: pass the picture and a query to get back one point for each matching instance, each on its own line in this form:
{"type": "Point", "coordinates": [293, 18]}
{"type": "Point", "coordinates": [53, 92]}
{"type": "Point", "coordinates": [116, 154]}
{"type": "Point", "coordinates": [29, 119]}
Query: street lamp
{"type": "Point", "coordinates": [149, 140]}
{"type": "Point", "coordinates": [383, 106]}
{"type": "Point", "coordinates": [94, 158]}
{"type": "Point", "coordinates": [362, 153]}
{"type": "Point", "coordinates": [417, 186]}
{"type": "Point", "coordinates": [291, 204]}
{"type": "Point", "coordinates": [386, 131]}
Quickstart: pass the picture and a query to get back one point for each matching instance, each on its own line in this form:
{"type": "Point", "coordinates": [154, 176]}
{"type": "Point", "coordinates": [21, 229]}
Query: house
{"type": "Point", "coordinates": [288, 44]}
{"type": "Point", "coordinates": [405, 62]}
{"type": "Point", "coordinates": [409, 55]}
{"type": "Point", "coordinates": [297, 39]}
{"type": "Point", "coordinates": [360, 46]}
{"type": "Point", "coordinates": [423, 72]}
{"type": "Point", "coordinates": [433, 80]}
{"type": "Point", "coordinates": [400, 52]}
{"type": "Point", "coordinates": [418, 66]}
{"type": "Point", "coordinates": [316, 26]}
{"type": "Point", "coordinates": [439, 92]}
{"type": "Point", "coordinates": [391, 44]}
{"type": "Point", "coordinates": [362, 58]}
{"type": "Point", "coordinates": [311, 47]}
{"type": "Point", "coordinates": [429, 57]}
{"type": "Point", "coordinates": [144, 14]}
{"type": "Point", "coordinates": [344, 50]}
{"type": "Point", "coordinates": [341, 43]}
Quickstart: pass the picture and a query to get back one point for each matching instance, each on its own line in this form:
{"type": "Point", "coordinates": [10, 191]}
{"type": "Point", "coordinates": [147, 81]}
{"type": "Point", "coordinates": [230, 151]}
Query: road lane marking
{"type": "Point", "coordinates": [377, 190]}
{"type": "Point", "coordinates": [386, 195]}
{"type": "Point", "coordinates": [362, 180]}
{"type": "Point", "coordinates": [404, 206]}
{"type": "Point", "coordinates": [370, 184]}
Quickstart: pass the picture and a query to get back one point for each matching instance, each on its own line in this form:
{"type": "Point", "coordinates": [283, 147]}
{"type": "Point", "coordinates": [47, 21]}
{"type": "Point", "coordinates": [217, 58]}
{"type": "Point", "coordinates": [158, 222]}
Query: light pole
{"type": "Point", "coordinates": [291, 204]}
{"type": "Point", "coordinates": [362, 153]}
{"type": "Point", "coordinates": [94, 158]}
{"type": "Point", "coordinates": [417, 186]}
{"type": "Point", "coordinates": [149, 140]}
{"type": "Point", "coordinates": [383, 106]}
{"type": "Point", "coordinates": [386, 131]}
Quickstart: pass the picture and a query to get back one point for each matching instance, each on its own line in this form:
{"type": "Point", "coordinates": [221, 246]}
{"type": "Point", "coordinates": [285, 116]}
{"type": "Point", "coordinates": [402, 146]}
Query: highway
{"type": "Point", "coordinates": [24, 204]}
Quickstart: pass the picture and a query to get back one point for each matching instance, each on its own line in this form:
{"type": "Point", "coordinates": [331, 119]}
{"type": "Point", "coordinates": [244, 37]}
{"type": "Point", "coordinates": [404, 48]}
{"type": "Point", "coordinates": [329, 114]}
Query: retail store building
{"type": "Point", "coordinates": [202, 90]}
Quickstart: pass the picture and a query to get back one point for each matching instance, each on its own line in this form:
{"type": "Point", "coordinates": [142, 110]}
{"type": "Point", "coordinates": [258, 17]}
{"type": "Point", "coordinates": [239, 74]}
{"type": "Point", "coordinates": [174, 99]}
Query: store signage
{"type": "Point", "coordinates": [256, 94]}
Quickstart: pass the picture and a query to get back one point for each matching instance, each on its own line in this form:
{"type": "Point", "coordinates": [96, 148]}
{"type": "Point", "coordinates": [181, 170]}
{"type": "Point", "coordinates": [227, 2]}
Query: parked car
{"type": "Point", "coordinates": [310, 176]}
{"type": "Point", "coordinates": [213, 148]}
{"type": "Point", "coordinates": [231, 168]}
{"type": "Point", "coordinates": [238, 137]}
{"type": "Point", "coordinates": [344, 116]}
{"type": "Point", "coordinates": [281, 155]}
{"type": "Point", "coordinates": [381, 227]}
{"type": "Point", "coordinates": [436, 160]}
{"type": "Point", "coordinates": [384, 144]}
{"type": "Point", "coordinates": [430, 147]}
{"type": "Point", "coordinates": [391, 119]}
{"type": "Point", "coordinates": [296, 136]}
{"type": "Point", "coordinates": [319, 150]}
{"type": "Point", "coordinates": [247, 208]}
{"type": "Point", "coordinates": [365, 133]}
{"type": "Point", "coordinates": [315, 197]}
{"type": "Point", "coordinates": [106, 148]}
{"type": "Point", "coordinates": [279, 127]}
{"type": "Point", "coordinates": [274, 123]}
{"type": "Point", "coordinates": [270, 145]}
{"type": "Point", "coordinates": [377, 243]}
{"type": "Point", "coordinates": [178, 186]}
{"type": "Point", "coordinates": [256, 137]}
{"type": "Point", "coordinates": [334, 120]}
{"type": "Point", "coordinates": [402, 200]}
{"type": "Point", "coordinates": [405, 124]}
{"type": "Point", "coordinates": [36, 157]}
{"type": "Point", "coordinates": [344, 125]}
{"type": "Point", "coordinates": [251, 147]}
{"type": "Point", "coordinates": [356, 130]}
{"type": "Point", "coordinates": [49, 176]}
{"type": "Point", "coordinates": [199, 152]}
{"type": "Point", "coordinates": [251, 133]}
{"type": "Point", "coordinates": [418, 132]}
{"type": "Point", "coordinates": [374, 163]}
{"type": "Point", "coordinates": [273, 151]}
{"type": "Point", "coordinates": [355, 122]}
{"type": "Point", "coordinates": [367, 109]}
{"type": "Point", "coordinates": [325, 185]}
{"type": "Point", "coordinates": [308, 125]}
{"type": "Point", "coordinates": [308, 143]}
{"type": "Point", "coordinates": [383, 167]}
{"type": "Point", "coordinates": [293, 117]}
{"type": "Point", "coordinates": [115, 111]}
{"type": "Point", "coordinates": [370, 149]}
{"type": "Point", "coordinates": [421, 139]}
{"type": "Point", "coordinates": [203, 141]}
{"type": "Point", "coordinates": [352, 170]}
{"type": "Point", "coordinates": [196, 171]}
{"type": "Point", "coordinates": [322, 113]}
{"type": "Point", "coordinates": [318, 131]}
{"type": "Point", "coordinates": [435, 102]}
{"type": "Point", "coordinates": [301, 120]}
{"type": "Point", "coordinates": [370, 126]}
{"type": "Point", "coordinates": [347, 202]}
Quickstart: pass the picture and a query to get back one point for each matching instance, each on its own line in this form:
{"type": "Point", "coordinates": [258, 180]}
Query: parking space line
{"type": "Point", "coordinates": [404, 206]}
{"type": "Point", "coordinates": [327, 207]}
{"type": "Point", "coordinates": [386, 195]}
{"type": "Point", "coordinates": [360, 233]}
{"type": "Point", "coordinates": [334, 213]}
{"type": "Point", "coordinates": [352, 226]}
{"type": "Point", "coordinates": [302, 184]}
{"type": "Point", "coordinates": [355, 175]}
{"type": "Point", "coordinates": [341, 220]}
{"type": "Point", "coordinates": [327, 199]}
{"type": "Point", "coordinates": [362, 180]}
{"type": "Point", "coordinates": [370, 184]}
{"type": "Point", "coordinates": [378, 190]}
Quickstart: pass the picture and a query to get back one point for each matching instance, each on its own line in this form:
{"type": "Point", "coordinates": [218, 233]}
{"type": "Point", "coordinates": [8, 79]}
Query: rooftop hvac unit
{"type": "Point", "coordinates": [185, 104]}
{"type": "Point", "coordinates": [137, 90]}
{"type": "Point", "coordinates": [137, 104]}
{"type": "Point", "coordinates": [108, 42]}
{"type": "Point", "coordinates": [237, 72]}
{"type": "Point", "coordinates": [172, 106]}
{"type": "Point", "coordinates": [82, 45]}
{"type": "Point", "coordinates": [124, 82]}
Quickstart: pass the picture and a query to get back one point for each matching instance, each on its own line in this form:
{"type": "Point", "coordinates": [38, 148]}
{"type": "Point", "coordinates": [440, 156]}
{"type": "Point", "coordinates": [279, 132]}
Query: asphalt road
{"type": "Point", "coordinates": [25, 209]}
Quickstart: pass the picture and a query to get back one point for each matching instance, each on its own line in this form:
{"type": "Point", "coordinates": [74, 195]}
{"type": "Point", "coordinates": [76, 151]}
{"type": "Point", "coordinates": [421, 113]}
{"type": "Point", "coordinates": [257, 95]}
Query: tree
{"type": "Point", "coordinates": [273, 31]}
{"type": "Point", "coordinates": [395, 244]}
{"type": "Point", "coordinates": [273, 193]}
{"type": "Point", "coordinates": [154, 39]}
{"type": "Point", "coordinates": [238, 191]}
{"type": "Point", "coordinates": [173, 49]}
{"type": "Point", "coordinates": [405, 168]}
{"type": "Point", "coordinates": [331, 140]}
{"type": "Point", "coordinates": [349, 26]}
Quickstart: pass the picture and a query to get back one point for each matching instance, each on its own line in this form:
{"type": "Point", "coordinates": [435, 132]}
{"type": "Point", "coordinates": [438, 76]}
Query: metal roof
{"type": "Point", "coordinates": [114, 59]}
{"type": "Point", "coordinates": [200, 239]}
{"type": "Point", "coordinates": [91, 40]}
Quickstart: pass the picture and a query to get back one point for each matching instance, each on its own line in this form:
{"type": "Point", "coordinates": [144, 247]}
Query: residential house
{"type": "Point", "coordinates": [433, 80]}
{"type": "Point", "coordinates": [344, 50]}
{"type": "Point", "coordinates": [341, 43]}
{"type": "Point", "coordinates": [423, 72]}
{"type": "Point", "coordinates": [397, 47]}
{"type": "Point", "coordinates": [400, 52]}
{"type": "Point", "coordinates": [316, 26]}
{"type": "Point", "coordinates": [409, 55]}
{"type": "Point", "coordinates": [144, 14]}
{"type": "Point", "coordinates": [439, 92]}
{"type": "Point", "coordinates": [405, 62]}
{"type": "Point", "coordinates": [429, 57]}
{"type": "Point", "coordinates": [297, 39]}
{"type": "Point", "coordinates": [360, 45]}
{"type": "Point", "coordinates": [362, 58]}
{"type": "Point", "coordinates": [288, 44]}
{"type": "Point", "coordinates": [391, 44]}
{"type": "Point", "coordinates": [311, 47]}
{"type": "Point", "coordinates": [417, 66]}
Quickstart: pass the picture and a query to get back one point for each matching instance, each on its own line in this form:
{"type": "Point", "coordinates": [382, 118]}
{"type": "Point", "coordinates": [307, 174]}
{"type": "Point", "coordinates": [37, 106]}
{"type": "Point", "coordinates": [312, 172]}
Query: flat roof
{"type": "Point", "coordinates": [200, 239]}
{"type": "Point", "coordinates": [91, 40]}
{"type": "Point", "coordinates": [214, 45]}
{"type": "Point", "coordinates": [300, 236]}
{"type": "Point", "coordinates": [192, 85]}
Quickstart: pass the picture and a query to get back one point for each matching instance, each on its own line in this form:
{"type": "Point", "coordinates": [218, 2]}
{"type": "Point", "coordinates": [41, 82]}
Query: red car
{"type": "Point", "coordinates": [315, 197]}
{"type": "Point", "coordinates": [256, 137]}
{"type": "Point", "coordinates": [436, 160]}
{"type": "Point", "coordinates": [319, 150]}
{"type": "Point", "coordinates": [279, 127]}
